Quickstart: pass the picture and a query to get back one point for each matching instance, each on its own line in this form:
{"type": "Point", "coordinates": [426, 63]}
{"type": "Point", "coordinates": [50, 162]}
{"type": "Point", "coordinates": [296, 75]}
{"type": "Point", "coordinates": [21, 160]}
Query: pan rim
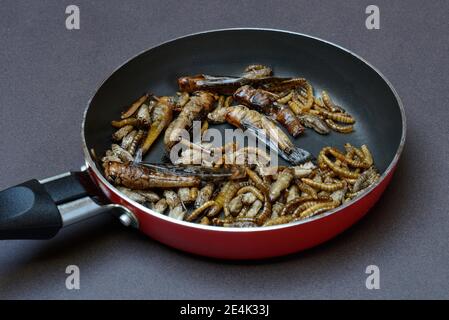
{"type": "Point", "coordinates": [91, 164]}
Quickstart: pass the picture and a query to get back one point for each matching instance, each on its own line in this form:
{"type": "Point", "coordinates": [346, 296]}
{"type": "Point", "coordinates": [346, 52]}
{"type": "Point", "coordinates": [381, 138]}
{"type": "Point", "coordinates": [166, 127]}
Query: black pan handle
{"type": "Point", "coordinates": [39, 209]}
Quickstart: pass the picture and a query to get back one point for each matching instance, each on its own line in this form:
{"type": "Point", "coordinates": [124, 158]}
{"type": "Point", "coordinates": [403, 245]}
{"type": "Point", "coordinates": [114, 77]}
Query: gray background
{"type": "Point", "coordinates": [47, 75]}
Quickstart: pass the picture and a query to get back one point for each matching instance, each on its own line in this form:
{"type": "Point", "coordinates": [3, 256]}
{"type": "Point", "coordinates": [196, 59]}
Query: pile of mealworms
{"type": "Point", "coordinates": [253, 195]}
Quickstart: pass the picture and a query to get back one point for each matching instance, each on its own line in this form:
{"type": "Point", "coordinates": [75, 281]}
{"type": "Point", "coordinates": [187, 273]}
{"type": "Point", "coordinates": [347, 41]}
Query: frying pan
{"type": "Point", "coordinates": [39, 209]}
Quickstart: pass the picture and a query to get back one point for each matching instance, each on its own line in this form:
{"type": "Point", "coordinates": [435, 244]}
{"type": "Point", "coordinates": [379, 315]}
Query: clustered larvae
{"type": "Point", "coordinates": [319, 113]}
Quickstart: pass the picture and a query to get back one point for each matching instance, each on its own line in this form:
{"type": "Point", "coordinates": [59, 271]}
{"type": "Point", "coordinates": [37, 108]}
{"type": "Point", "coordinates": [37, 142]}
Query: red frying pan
{"type": "Point", "coordinates": [38, 209]}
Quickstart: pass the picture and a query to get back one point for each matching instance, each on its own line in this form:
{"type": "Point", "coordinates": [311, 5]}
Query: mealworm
{"type": "Point", "coordinates": [318, 208]}
{"type": "Point", "coordinates": [253, 190]}
{"type": "Point", "coordinates": [368, 157]}
{"type": "Point", "coordinates": [338, 127]}
{"type": "Point", "coordinates": [340, 171]}
{"type": "Point", "coordinates": [286, 98]}
{"type": "Point", "coordinates": [329, 187]}
{"type": "Point", "coordinates": [340, 117]}
{"type": "Point", "coordinates": [308, 190]}
{"type": "Point", "coordinates": [340, 156]}
{"type": "Point", "coordinates": [198, 211]}
{"type": "Point", "coordinates": [278, 220]}
{"type": "Point", "coordinates": [122, 132]}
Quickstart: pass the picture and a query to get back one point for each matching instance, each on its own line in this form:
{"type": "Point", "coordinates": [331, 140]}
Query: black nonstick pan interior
{"type": "Point", "coordinates": [351, 83]}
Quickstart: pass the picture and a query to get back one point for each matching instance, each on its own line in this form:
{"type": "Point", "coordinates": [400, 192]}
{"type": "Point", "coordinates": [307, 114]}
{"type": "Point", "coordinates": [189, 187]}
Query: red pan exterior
{"type": "Point", "coordinates": [255, 244]}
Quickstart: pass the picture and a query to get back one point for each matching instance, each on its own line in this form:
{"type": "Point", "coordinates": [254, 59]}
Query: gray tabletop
{"type": "Point", "coordinates": [47, 75]}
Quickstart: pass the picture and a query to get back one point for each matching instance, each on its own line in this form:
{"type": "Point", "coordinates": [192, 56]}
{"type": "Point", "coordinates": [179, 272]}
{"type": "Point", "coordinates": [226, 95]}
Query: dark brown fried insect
{"type": "Point", "coordinates": [264, 101]}
{"type": "Point", "coordinates": [286, 84]}
{"type": "Point", "coordinates": [141, 177]}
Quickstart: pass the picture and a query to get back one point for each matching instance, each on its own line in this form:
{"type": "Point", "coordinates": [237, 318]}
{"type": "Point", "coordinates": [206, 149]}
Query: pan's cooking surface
{"type": "Point", "coordinates": [351, 83]}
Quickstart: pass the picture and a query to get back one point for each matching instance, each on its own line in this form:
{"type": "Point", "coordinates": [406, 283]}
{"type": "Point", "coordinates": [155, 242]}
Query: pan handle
{"type": "Point", "coordinates": [39, 209]}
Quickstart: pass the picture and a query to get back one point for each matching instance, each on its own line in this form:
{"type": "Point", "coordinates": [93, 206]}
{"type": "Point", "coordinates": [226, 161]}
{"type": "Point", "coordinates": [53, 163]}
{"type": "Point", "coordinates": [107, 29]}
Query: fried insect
{"type": "Point", "coordinates": [309, 96]}
{"type": "Point", "coordinates": [329, 104]}
{"type": "Point", "coordinates": [128, 139]}
{"type": "Point", "coordinates": [329, 187]}
{"type": "Point", "coordinates": [278, 220]}
{"type": "Point", "coordinates": [225, 195]}
{"type": "Point", "coordinates": [160, 206]}
{"type": "Point", "coordinates": [124, 155]}
{"type": "Point", "coordinates": [343, 172]}
{"type": "Point", "coordinates": [277, 208]}
{"type": "Point", "coordinates": [125, 122]}
{"type": "Point", "coordinates": [314, 122]}
{"type": "Point", "coordinates": [316, 209]}
{"type": "Point", "coordinates": [292, 204]}
{"type": "Point", "coordinates": [352, 162]}
{"type": "Point", "coordinates": [252, 190]}
{"type": "Point", "coordinates": [365, 179]}
{"type": "Point", "coordinates": [338, 127]}
{"type": "Point", "coordinates": [204, 194]}
{"type": "Point", "coordinates": [135, 196]}
{"type": "Point", "coordinates": [257, 71]}
{"type": "Point", "coordinates": [234, 206]}
{"type": "Point", "coordinates": [122, 132]}
{"type": "Point", "coordinates": [141, 177]}
{"type": "Point", "coordinates": [258, 181]}
{"type": "Point", "coordinates": [228, 85]}
{"type": "Point", "coordinates": [143, 115]}
{"type": "Point", "coordinates": [292, 193]}
{"type": "Point", "coordinates": [286, 99]}
{"type": "Point", "coordinates": [187, 195]}
{"type": "Point", "coordinates": [200, 103]}
{"type": "Point", "coordinates": [283, 182]}
{"type": "Point", "coordinates": [199, 211]}
{"type": "Point", "coordinates": [135, 106]}
{"type": "Point", "coordinates": [286, 84]}
{"type": "Point", "coordinates": [135, 141]}
{"type": "Point", "coordinates": [205, 221]}
{"type": "Point", "coordinates": [264, 101]}
{"type": "Point", "coordinates": [336, 116]}
{"type": "Point", "coordinates": [176, 211]}
{"type": "Point", "coordinates": [266, 130]}
{"type": "Point", "coordinates": [254, 209]}
{"type": "Point", "coordinates": [308, 190]}
{"type": "Point", "coordinates": [368, 157]}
